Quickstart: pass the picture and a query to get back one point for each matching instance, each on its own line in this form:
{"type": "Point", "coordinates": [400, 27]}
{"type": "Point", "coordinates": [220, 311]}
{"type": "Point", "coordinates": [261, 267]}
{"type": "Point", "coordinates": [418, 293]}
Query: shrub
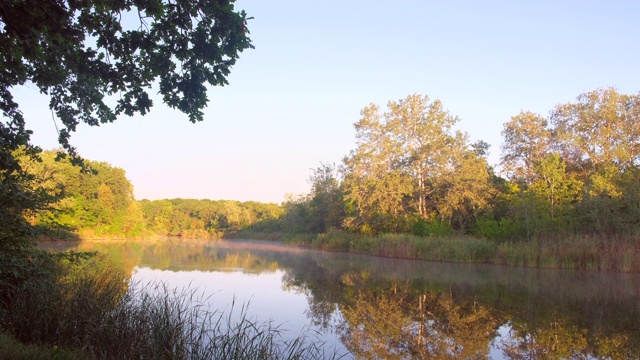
{"type": "Point", "coordinates": [422, 227]}
{"type": "Point", "coordinates": [497, 230]}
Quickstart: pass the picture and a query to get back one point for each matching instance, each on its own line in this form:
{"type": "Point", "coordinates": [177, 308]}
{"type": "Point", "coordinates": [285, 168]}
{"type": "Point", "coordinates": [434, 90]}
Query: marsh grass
{"type": "Point", "coordinates": [91, 308]}
{"type": "Point", "coordinates": [578, 252]}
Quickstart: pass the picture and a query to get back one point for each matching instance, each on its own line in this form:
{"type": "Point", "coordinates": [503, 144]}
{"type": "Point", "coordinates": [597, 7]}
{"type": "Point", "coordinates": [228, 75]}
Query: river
{"type": "Point", "coordinates": [369, 307]}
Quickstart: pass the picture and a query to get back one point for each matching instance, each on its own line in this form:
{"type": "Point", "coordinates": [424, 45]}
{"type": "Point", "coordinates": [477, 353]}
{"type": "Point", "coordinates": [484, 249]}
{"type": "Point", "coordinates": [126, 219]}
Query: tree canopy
{"type": "Point", "coordinates": [79, 52]}
{"type": "Point", "coordinates": [99, 59]}
{"type": "Point", "coordinates": [409, 163]}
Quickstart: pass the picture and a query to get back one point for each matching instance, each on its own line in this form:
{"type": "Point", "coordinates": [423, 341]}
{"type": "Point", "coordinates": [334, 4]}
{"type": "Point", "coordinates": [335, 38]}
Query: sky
{"type": "Point", "coordinates": [292, 101]}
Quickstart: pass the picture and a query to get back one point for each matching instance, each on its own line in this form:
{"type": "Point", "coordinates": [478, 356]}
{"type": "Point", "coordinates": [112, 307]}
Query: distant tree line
{"type": "Point", "coordinates": [205, 218]}
{"type": "Point", "coordinates": [99, 202]}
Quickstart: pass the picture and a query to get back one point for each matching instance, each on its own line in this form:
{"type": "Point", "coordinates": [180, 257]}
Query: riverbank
{"type": "Point", "coordinates": [598, 253]}
{"type": "Point", "coordinates": [617, 254]}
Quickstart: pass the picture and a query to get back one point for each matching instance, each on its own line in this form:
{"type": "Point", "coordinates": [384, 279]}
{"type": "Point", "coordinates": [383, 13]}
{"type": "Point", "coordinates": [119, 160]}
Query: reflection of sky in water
{"type": "Point", "coordinates": [263, 292]}
{"type": "Point", "coordinates": [267, 300]}
{"type": "Point", "coordinates": [277, 281]}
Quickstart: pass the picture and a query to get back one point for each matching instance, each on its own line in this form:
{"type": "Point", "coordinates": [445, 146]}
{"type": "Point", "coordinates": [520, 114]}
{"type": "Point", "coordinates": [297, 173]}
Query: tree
{"type": "Point", "coordinates": [421, 132]}
{"type": "Point", "coordinates": [600, 128]}
{"type": "Point", "coordinates": [101, 202]}
{"type": "Point", "coordinates": [553, 186]}
{"type": "Point", "coordinates": [408, 163]}
{"type": "Point", "coordinates": [326, 203]}
{"type": "Point", "coordinates": [376, 185]}
{"type": "Point", "coordinates": [81, 54]}
{"type": "Point", "coordinates": [599, 138]}
{"type": "Point", "coordinates": [527, 139]}
{"type": "Point", "coordinates": [464, 190]}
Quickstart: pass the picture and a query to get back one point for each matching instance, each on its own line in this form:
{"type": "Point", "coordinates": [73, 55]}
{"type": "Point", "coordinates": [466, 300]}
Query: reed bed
{"type": "Point", "coordinates": [578, 252]}
{"type": "Point", "coordinates": [93, 310]}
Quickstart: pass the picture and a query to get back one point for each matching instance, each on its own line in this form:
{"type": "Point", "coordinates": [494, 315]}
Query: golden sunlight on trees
{"type": "Point", "coordinates": [601, 128]}
{"type": "Point", "coordinates": [408, 162]}
{"type": "Point", "coordinates": [570, 168]}
{"type": "Point", "coordinates": [527, 139]}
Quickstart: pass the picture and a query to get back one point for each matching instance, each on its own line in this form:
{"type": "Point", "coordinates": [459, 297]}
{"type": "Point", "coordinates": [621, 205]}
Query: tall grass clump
{"type": "Point", "coordinates": [436, 248]}
{"type": "Point", "coordinates": [90, 307]}
{"type": "Point", "coordinates": [335, 240]}
{"type": "Point", "coordinates": [157, 323]}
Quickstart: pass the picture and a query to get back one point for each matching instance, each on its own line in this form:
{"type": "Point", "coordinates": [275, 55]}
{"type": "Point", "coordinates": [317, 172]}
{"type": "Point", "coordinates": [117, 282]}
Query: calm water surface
{"type": "Point", "coordinates": [370, 307]}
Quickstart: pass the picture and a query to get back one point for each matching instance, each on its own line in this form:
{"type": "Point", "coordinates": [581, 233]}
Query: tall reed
{"type": "Point", "coordinates": [94, 309]}
{"type": "Point", "coordinates": [578, 252]}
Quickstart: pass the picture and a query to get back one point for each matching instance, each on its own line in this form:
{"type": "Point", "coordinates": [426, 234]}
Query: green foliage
{"type": "Point", "coordinates": [192, 218]}
{"type": "Point", "coordinates": [554, 188]}
{"type": "Point", "coordinates": [326, 204]}
{"type": "Point", "coordinates": [21, 197]}
{"type": "Point", "coordinates": [337, 240]}
{"type": "Point", "coordinates": [80, 54]}
{"type": "Point", "coordinates": [181, 45]}
{"type": "Point", "coordinates": [410, 173]}
{"type": "Point", "coordinates": [409, 162]}
{"type": "Point", "coordinates": [497, 230]}
{"type": "Point", "coordinates": [527, 139]}
{"type": "Point", "coordinates": [98, 202]}
{"type": "Point", "coordinates": [575, 175]}
{"type": "Point", "coordinates": [422, 227]}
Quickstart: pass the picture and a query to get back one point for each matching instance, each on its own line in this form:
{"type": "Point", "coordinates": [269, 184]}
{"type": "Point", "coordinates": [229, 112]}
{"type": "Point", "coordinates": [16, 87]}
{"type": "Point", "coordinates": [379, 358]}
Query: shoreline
{"type": "Point", "coordinates": [579, 253]}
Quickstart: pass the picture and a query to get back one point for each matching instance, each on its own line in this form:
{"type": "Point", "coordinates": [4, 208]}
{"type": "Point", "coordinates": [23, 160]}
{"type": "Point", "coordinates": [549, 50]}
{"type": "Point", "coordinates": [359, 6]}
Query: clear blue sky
{"type": "Point", "coordinates": [292, 101]}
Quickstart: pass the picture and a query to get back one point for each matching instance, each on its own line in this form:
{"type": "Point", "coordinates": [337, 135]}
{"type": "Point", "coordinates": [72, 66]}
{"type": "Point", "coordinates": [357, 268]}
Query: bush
{"type": "Point", "coordinates": [422, 227]}
{"type": "Point", "coordinates": [334, 240]}
{"type": "Point", "coordinates": [497, 230]}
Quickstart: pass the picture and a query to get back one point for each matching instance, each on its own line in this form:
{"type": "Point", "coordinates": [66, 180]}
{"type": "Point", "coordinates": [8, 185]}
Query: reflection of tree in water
{"type": "Point", "coordinates": [559, 339]}
{"type": "Point", "coordinates": [396, 324]}
{"type": "Point", "coordinates": [321, 292]}
{"type": "Point", "coordinates": [386, 308]}
{"type": "Point", "coordinates": [178, 255]}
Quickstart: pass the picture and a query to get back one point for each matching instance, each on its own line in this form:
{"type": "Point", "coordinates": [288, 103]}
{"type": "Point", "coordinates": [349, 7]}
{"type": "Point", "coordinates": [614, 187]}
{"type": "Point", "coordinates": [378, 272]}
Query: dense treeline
{"type": "Point", "coordinates": [572, 174]}
{"type": "Point", "coordinates": [575, 171]}
{"type": "Point", "coordinates": [98, 201]}
{"type": "Point", "coordinates": [205, 218]}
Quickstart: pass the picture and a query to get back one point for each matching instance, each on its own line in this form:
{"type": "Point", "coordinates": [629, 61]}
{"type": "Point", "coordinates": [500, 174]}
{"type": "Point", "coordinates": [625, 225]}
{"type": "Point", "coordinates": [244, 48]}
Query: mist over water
{"type": "Point", "coordinates": [389, 308]}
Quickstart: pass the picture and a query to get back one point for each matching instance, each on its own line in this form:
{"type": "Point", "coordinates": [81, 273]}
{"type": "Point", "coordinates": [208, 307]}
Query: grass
{"type": "Point", "coordinates": [92, 311]}
{"type": "Point", "coordinates": [10, 348]}
{"type": "Point", "coordinates": [579, 252]}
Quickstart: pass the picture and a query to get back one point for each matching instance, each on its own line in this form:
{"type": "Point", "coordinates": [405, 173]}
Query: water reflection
{"type": "Point", "coordinates": [399, 309]}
